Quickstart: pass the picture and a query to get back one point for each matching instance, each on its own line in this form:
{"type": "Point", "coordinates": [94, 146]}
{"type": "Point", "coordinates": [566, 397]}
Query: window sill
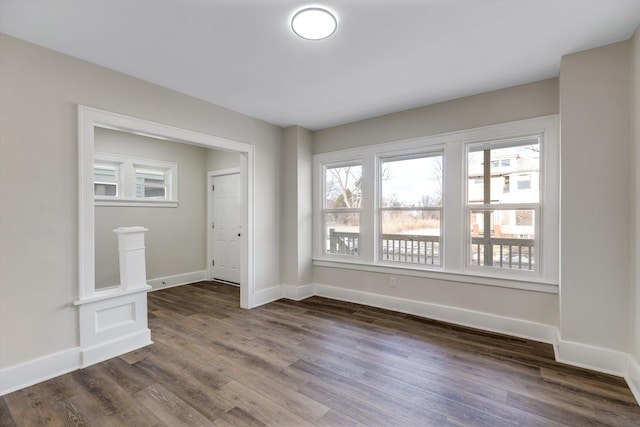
{"type": "Point", "coordinates": [136, 203]}
{"type": "Point", "coordinates": [463, 277]}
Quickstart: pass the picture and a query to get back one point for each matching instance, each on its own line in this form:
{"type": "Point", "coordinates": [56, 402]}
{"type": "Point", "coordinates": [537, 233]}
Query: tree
{"type": "Point", "coordinates": [344, 187]}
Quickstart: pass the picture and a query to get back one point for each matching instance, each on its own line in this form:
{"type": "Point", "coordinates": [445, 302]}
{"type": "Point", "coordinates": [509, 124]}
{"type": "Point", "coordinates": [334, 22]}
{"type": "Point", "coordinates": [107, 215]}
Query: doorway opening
{"type": "Point", "coordinates": [88, 120]}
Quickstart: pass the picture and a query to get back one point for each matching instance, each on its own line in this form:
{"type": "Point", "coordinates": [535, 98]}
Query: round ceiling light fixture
{"type": "Point", "coordinates": [314, 23]}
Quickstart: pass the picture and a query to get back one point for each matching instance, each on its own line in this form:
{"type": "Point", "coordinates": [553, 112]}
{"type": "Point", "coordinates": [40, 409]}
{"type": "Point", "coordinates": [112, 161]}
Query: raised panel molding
{"type": "Point", "coordinates": [113, 326]}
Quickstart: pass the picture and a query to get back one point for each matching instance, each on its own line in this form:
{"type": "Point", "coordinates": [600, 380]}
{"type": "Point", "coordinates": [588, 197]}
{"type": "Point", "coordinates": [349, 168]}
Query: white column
{"type": "Point", "coordinates": [133, 272]}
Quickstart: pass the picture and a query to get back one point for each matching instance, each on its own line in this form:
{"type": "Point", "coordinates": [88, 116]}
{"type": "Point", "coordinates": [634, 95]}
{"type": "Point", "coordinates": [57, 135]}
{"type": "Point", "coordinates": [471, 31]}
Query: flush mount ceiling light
{"type": "Point", "coordinates": [314, 23]}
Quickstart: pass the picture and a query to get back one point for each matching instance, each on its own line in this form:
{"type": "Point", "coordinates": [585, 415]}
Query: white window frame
{"type": "Point", "coordinates": [126, 166]}
{"type": "Point", "coordinates": [117, 182]}
{"type": "Point", "coordinates": [534, 206]}
{"type": "Point", "coordinates": [433, 151]}
{"type": "Point", "coordinates": [325, 210]}
{"type": "Point", "coordinates": [454, 256]}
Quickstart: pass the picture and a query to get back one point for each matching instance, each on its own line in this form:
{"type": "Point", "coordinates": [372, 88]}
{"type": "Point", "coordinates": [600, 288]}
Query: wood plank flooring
{"type": "Point", "coordinates": [319, 362]}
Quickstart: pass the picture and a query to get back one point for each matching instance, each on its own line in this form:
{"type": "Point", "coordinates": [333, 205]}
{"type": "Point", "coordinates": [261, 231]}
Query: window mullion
{"type": "Point", "coordinates": [454, 236]}
{"type": "Point", "coordinates": [368, 225]}
{"type": "Point", "coordinates": [488, 247]}
{"type": "Point", "coordinates": [128, 181]}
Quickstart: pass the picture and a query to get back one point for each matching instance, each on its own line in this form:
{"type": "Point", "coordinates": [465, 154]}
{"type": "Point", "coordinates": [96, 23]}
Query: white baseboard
{"type": "Point", "coordinates": [177, 280]}
{"type": "Point", "coordinates": [122, 345]}
{"type": "Point", "coordinates": [266, 296]}
{"type": "Point", "coordinates": [571, 353]}
{"type": "Point", "coordinates": [297, 293]}
{"type": "Point", "coordinates": [474, 319]}
{"type": "Point", "coordinates": [37, 370]}
{"type": "Point", "coordinates": [633, 378]}
{"type": "Point", "coordinates": [591, 357]}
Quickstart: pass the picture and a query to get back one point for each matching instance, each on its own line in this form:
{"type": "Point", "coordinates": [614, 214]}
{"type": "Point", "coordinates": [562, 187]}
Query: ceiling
{"type": "Point", "coordinates": [386, 55]}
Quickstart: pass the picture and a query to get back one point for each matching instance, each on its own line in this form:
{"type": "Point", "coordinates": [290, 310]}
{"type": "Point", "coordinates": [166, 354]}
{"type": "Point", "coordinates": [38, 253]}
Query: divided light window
{"type": "Point", "coordinates": [470, 206]}
{"type": "Point", "coordinates": [151, 183]}
{"type": "Point", "coordinates": [130, 181]}
{"type": "Point", "coordinates": [342, 208]}
{"type": "Point", "coordinates": [411, 209]}
{"type": "Point", "coordinates": [106, 180]}
{"type": "Point", "coordinates": [503, 218]}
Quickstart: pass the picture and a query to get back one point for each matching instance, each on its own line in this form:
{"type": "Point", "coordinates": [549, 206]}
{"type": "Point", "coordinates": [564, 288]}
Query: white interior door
{"type": "Point", "coordinates": [225, 227]}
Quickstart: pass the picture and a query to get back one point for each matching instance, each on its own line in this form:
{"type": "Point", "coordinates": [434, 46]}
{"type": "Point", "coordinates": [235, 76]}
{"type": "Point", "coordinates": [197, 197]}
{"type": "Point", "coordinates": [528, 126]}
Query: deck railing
{"type": "Point", "coordinates": [343, 243]}
{"type": "Point", "coordinates": [413, 249]}
{"type": "Point", "coordinates": [507, 253]}
{"type": "Point", "coordinates": [420, 249]}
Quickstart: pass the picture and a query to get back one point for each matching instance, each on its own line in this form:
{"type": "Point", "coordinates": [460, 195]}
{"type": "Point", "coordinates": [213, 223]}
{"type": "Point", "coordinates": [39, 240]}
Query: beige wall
{"type": "Point", "coordinates": [634, 318]}
{"type": "Point", "coordinates": [595, 150]}
{"type": "Point", "coordinates": [501, 106]}
{"type": "Point", "coordinates": [296, 267]}
{"type": "Point", "coordinates": [520, 102]}
{"type": "Point", "coordinates": [38, 184]}
{"type": "Point", "coordinates": [218, 159]}
{"type": "Point", "coordinates": [176, 240]}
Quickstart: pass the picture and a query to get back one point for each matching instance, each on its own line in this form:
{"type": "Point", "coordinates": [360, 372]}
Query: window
{"type": "Point", "coordinates": [106, 180]}
{"type": "Point", "coordinates": [411, 209]}
{"type": "Point", "coordinates": [128, 181]}
{"type": "Point", "coordinates": [524, 182]}
{"type": "Point", "coordinates": [478, 206]}
{"type": "Point", "coordinates": [342, 204]}
{"type": "Point", "coordinates": [498, 218]}
{"type": "Point", "coordinates": [507, 181]}
{"type": "Point", "coordinates": [151, 183]}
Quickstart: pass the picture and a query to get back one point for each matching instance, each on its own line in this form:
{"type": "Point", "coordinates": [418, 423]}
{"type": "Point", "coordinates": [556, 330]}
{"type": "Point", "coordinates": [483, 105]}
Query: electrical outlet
{"type": "Point", "coordinates": [392, 282]}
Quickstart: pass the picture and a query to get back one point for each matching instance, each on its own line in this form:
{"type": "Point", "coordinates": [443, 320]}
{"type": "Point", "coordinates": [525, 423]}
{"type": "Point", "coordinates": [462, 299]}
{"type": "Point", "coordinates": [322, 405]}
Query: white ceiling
{"type": "Point", "coordinates": [386, 56]}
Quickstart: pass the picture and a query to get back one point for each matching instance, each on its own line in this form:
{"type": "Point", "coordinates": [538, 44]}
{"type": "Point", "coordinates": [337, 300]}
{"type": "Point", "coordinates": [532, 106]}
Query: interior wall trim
{"type": "Point", "coordinates": [580, 355]}
{"type": "Point", "coordinates": [298, 293]}
{"type": "Point", "coordinates": [591, 357]}
{"type": "Point", "coordinates": [633, 378]}
{"type": "Point", "coordinates": [265, 296]}
{"type": "Point", "coordinates": [460, 316]}
{"type": "Point", "coordinates": [177, 280]}
{"type": "Point", "coordinates": [16, 377]}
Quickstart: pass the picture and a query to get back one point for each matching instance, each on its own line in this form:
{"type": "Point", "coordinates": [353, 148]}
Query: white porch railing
{"type": "Point", "coordinates": [425, 250]}
{"type": "Point", "coordinates": [413, 249]}
{"type": "Point", "coordinates": [507, 252]}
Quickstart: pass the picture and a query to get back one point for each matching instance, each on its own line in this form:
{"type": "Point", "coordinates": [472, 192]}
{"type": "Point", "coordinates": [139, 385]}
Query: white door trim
{"type": "Point", "coordinates": [210, 246]}
{"type": "Point", "coordinates": [90, 118]}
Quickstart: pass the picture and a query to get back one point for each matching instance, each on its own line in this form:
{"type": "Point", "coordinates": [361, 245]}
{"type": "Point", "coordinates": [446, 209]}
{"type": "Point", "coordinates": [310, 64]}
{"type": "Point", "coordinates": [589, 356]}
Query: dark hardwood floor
{"type": "Point", "coordinates": [319, 362]}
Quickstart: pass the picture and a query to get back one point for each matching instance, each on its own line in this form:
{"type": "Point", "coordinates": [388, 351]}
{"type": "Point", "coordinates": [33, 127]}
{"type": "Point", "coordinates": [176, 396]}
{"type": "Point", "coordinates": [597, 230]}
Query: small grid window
{"type": "Point", "coordinates": [127, 181]}
{"type": "Point", "coordinates": [106, 180]}
{"type": "Point", "coordinates": [151, 183]}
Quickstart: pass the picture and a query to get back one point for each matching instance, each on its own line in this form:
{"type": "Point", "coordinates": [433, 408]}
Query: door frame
{"type": "Point", "coordinates": [210, 244]}
{"type": "Point", "coordinates": [88, 119]}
